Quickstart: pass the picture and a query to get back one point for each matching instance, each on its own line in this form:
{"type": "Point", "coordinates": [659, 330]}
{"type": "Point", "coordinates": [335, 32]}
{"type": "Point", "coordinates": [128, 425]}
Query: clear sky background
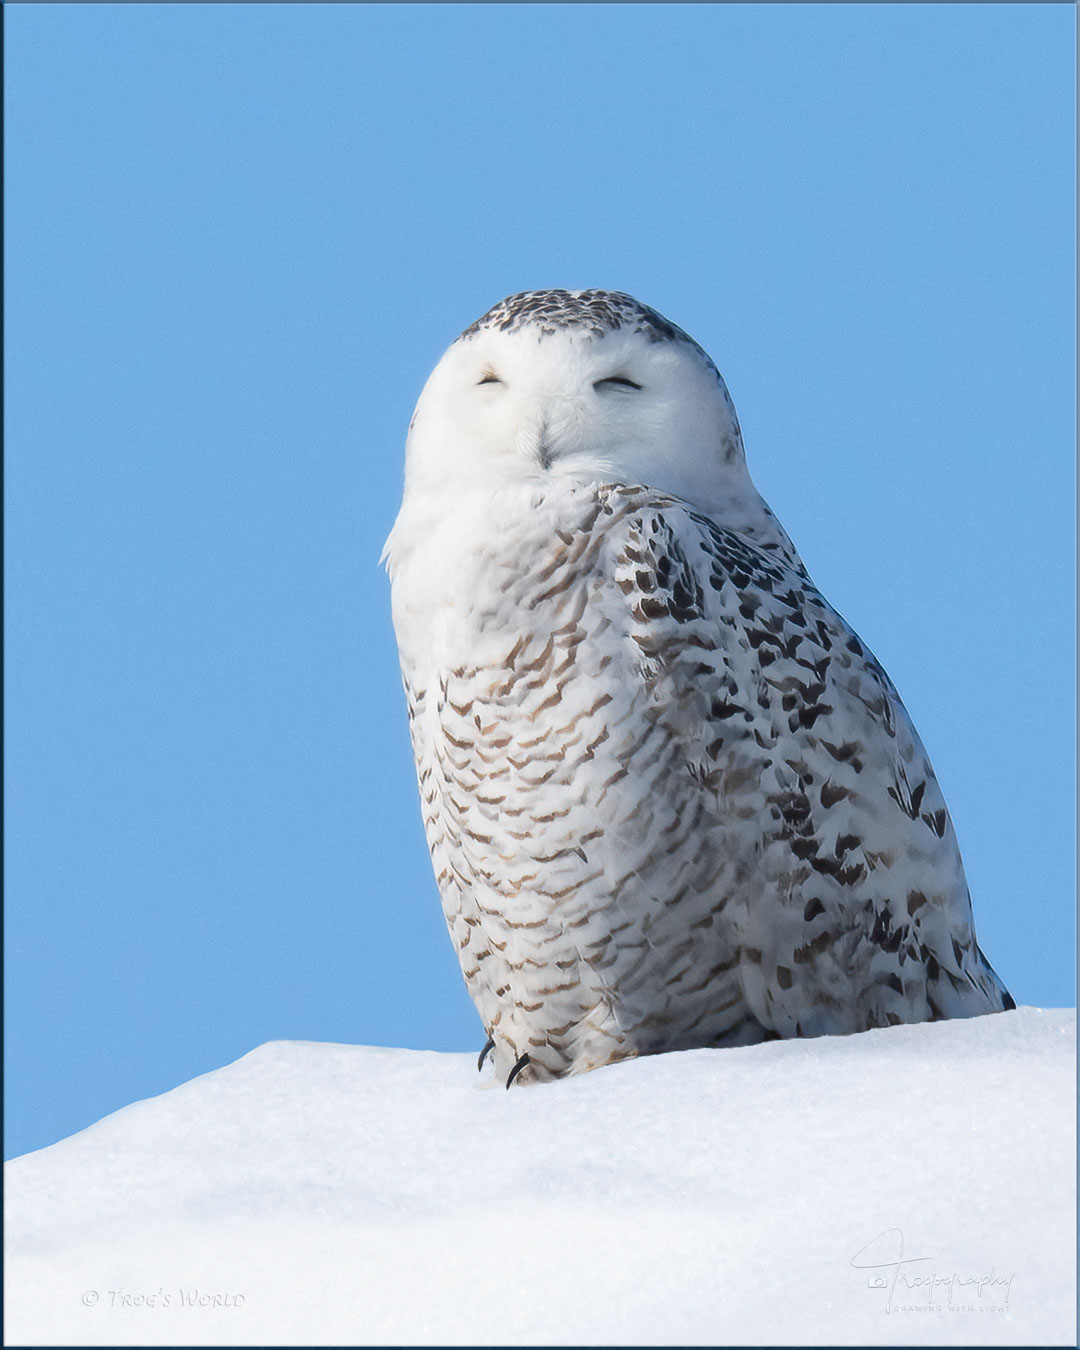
{"type": "Point", "coordinates": [239, 237]}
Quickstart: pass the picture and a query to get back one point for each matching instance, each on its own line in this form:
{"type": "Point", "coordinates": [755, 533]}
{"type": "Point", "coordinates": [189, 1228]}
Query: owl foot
{"type": "Point", "coordinates": [488, 1047]}
{"type": "Point", "coordinates": [518, 1066]}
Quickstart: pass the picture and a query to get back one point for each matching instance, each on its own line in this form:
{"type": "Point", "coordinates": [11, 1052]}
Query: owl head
{"type": "Point", "coordinates": [586, 385]}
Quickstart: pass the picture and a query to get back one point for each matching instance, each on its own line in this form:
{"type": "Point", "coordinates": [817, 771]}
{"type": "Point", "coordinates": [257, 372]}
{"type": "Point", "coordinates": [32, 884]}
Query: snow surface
{"type": "Point", "coordinates": [330, 1194]}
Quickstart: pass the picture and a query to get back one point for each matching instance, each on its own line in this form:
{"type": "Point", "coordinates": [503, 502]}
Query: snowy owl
{"type": "Point", "coordinates": [671, 798]}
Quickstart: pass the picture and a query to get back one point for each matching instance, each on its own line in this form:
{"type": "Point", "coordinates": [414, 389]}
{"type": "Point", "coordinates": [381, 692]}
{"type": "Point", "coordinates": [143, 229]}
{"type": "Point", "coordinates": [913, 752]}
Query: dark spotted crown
{"type": "Point", "coordinates": [598, 312]}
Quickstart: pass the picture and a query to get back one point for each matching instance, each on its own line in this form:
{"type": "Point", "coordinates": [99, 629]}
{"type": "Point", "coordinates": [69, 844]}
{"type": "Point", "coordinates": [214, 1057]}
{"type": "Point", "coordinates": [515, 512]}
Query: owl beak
{"type": "Point", "coordinates": [540, 433]}
{"type": "Point", "coordinates": [544, 452]}
{"type": "Point", "coordinates": [536, 440]}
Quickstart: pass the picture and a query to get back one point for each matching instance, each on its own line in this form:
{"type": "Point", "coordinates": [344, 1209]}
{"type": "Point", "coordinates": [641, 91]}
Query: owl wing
{"type": "Point", "coordinates": [846, 904]}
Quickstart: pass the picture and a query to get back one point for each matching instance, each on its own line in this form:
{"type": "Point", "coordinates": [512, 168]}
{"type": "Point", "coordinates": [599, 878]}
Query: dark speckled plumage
{"type": "Point", "coordinates": [597, 312]}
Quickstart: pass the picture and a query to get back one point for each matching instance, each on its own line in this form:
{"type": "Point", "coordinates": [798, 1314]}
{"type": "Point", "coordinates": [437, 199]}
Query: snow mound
{"type": "Point", "coordinates": [908, 1186]}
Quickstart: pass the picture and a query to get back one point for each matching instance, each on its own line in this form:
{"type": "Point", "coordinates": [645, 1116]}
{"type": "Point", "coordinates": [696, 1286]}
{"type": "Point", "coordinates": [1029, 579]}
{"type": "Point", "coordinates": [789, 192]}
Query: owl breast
{"type": "Point", "coordinates": [577, 855]}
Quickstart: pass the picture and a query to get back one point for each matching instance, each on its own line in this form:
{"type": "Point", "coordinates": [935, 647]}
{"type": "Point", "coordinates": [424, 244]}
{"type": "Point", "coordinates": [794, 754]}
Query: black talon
{"type": "Point", "coordinates": [518, 1066]}
{"type": "Point", "coordinates": [484, 1054]}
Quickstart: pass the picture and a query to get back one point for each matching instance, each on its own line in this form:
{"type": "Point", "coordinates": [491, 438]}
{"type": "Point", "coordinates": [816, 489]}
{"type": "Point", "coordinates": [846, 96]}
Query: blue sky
{"type": "Point", "coordinates": [238, 238]}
